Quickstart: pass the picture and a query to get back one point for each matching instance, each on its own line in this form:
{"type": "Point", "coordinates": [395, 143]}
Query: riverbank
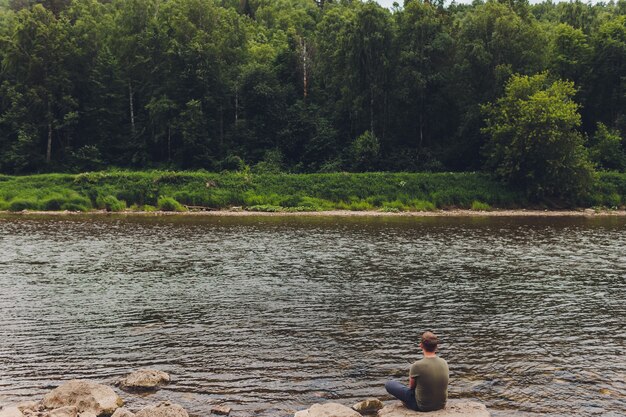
{"type": "Point", "coordinates": [335, 213]}
{"type": "Point", "coordinates": [148, 191]}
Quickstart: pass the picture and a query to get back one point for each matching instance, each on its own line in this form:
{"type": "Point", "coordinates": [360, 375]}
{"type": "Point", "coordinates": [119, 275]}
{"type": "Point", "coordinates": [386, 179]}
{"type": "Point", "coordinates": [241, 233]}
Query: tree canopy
{"type": "Point", "coordinates": [302, 85]}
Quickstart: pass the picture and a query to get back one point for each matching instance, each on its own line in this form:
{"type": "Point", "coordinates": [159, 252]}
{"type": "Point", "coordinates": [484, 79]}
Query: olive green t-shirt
{"type": "Point", "coordinates": [431, 383]}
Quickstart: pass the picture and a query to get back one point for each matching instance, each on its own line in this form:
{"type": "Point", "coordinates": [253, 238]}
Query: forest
{"type": "Point", "coordinates": [534, 95]}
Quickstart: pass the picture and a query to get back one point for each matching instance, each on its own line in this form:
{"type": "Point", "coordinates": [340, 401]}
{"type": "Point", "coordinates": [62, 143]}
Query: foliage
{"type": "Point", "coordinates": [366, 149]}
{"type": "Point", "coordinates": [479, 206]}
{"type": "Point", "coordinates": [110, 203]}
{"type": "Point", "coordinates": [291, 192]}
{"type": "Point", "coordinates": [534, 144]}
{"type": "Point", "coordinates": [169, 204]}
{"type": "Point", "coordinates": [608, 149]}
{"type": "Point", "coordinates": [297, 86]}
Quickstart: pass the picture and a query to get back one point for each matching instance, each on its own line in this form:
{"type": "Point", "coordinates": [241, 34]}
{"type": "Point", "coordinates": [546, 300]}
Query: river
{"type": "Point", "coordinates": [271, 315]}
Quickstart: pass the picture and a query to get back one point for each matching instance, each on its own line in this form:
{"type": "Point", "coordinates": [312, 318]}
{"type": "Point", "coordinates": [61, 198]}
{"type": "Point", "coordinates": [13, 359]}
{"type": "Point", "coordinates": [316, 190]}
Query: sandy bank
{"type": "Point", "coordinates": [341, 213]}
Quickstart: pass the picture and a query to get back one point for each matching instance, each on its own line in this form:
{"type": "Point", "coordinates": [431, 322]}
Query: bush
{"type": "Point", "coordinates": [366, 152]}
{"type": "Point", "coordinates": [422, 205]}
{"type": "Point", "coordinates": [533, 116]}
{"type": "Point", "coordinates": [395, 205]}
{"type": "Point", "coordinates": [145, 207]}
{"type": "Point", "coordinates": [169, 204]}
{"type": "Point", "coordinates": [606, 150]}
{"type": "Point", "coordinates": [479, 206]}
{"type": "Point", "coordinates": [53, 203]}
{"type": "Point", "coordinates": [19, 204]}
{"type": "Point", "coordinates": [74, 207]}
{"type": "Point", "coordinates": [110, 203]}
{"type": "Point", "coordinates": [3, 205]}
{"type": "Point", "coordinates": [358, 205]}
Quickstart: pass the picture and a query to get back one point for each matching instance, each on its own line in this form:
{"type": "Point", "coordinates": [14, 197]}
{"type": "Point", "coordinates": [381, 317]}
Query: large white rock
{"type": "Point", "coordinates": [328, 410]}
{"type": "Point", "coordinates": [86, 396]}
{"type": "Point", "coordinates": [454, 408]}
{"type": "Point", "coordinates": [10, 412]}
{"type": "Point", "coordinates": [144, 379]}
{"type": "Point", "coordinates": [69, 411]}
{"type": "Point", "coordinates": [165, 409]}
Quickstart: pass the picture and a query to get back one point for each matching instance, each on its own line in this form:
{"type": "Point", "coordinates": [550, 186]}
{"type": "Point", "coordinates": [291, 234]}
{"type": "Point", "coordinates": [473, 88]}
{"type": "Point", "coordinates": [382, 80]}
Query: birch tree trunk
{"type": "Point", "coordinates": [132, 108]}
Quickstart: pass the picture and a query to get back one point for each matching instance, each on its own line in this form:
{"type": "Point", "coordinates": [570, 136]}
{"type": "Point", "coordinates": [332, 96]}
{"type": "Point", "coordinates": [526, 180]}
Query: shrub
{"type": "Point", "coordinates": [606, 150]}
{"type": "Point", "coordinates": [422, 205]}
{"type": "Point", "coordinates": [169, 204]}
{"type": "Point", "coordinates": [110, 203]}
{"type": "Point", "coordinates": [533, 116]}
{"type": "Point", "coordinates": [396, 205]}
{"type": "Point", "coordinates": [53, 203]}
{"type": "Point", "coordinates": [3, 205]}
{"type": "Point", "coordinates": [389, 210]}
{"type": "Point", "coordinates": [366, 151]}
{"type": "Point", "coordinates": [144, 207]}
{"type": "Point", "coordinates": [74, 207]}
{"type": "Point", "coordinates": [20, 204]}
{"type": "Point", "coordinates": [479, 206]}
{"type": "Point", "coordinates": [355, 206]}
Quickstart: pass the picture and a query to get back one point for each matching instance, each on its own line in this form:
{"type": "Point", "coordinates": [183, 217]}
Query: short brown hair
{"type": "Point", "coordinates": [429, 341]}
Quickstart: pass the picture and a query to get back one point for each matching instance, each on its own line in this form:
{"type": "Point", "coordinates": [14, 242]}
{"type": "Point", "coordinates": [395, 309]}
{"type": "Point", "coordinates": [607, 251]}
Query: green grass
{"type": "Point", "coordinates": [394, 192]}
{"type": "Point", "coordinates": [480, 206]}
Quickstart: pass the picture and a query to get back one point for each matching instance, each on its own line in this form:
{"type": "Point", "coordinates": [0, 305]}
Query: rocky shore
{"type": "Point", "coordinates": [82, 398]}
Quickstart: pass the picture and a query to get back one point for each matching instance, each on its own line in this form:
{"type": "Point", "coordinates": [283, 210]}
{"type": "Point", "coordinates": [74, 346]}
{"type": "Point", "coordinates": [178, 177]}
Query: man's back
{"type": "Point", "coordinates": [431, 383]}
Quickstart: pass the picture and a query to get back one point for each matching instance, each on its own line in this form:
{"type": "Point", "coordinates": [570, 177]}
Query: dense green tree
{"type": "Point", "coordinates": [608, 150]}
{"type": "Point", "coordinates": [295, 84]}
{"type": "Point", "coordinates": [425, 54]}
{"type": "Point", "coordinates": [533, 142]}
{"type": "Point", "coordinates": [608, 89]}
{"type": "Point", "coordinates": [494, 41]}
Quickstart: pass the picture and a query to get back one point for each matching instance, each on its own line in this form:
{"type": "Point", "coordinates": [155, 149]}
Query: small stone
{"type": "Point", "coordinates": [69, 411]}
{"type": "Point", "coordinates": [123, 412]}
{"type": "Point", "coordinates": [328, 410]}
{"type": "Point", "coordinates": [368, 406]}
{"type": "Point", "coordinates": [221, 409]}
{"type": "Point", "coordinates": [144, 380]}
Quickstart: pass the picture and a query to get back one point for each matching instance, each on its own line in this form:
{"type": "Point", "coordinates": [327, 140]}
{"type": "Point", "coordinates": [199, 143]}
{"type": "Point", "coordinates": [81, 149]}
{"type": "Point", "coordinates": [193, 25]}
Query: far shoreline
{"type": "Point", "coordinates": [335, 213]}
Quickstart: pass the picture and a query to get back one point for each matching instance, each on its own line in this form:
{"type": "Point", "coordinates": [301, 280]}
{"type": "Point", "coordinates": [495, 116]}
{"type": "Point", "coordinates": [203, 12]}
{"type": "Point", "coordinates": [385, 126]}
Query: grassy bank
{"type": "Point", "coordinates": [173, 191]}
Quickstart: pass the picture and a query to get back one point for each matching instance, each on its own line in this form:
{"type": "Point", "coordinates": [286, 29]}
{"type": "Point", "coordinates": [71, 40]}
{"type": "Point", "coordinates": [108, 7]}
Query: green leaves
{"type": "Point", "coordinates": [534, 143]}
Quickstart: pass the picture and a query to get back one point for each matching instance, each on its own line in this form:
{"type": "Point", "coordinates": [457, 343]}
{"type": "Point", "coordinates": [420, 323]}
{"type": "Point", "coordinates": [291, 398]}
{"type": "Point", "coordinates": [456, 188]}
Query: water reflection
{"type": "Point", "coordinates": [274, 314]}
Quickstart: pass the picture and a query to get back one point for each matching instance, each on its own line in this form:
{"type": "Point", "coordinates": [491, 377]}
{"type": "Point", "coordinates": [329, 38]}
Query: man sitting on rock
{"type": "Point", "coordinates": [428, 380]}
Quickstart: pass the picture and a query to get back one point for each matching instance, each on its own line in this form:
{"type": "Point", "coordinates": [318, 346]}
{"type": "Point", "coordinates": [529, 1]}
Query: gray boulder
{"type": "Point", "coordinates": [454, 408]}
{"type": "Point", "coordinates": [144, 380]}
{"type": "Point", "coordinates": [86, 396]}
{"type": "Point", "coordinates": [165, 409]}
{"type": "Point", "coordinates": [369, 406]}
{"type": "Point", "coordinates": [328, 410]}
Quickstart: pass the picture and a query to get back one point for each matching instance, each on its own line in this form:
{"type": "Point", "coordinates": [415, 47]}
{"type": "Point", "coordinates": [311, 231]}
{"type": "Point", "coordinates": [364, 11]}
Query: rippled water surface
{"type": "Point", "coordinates": [270, 315]}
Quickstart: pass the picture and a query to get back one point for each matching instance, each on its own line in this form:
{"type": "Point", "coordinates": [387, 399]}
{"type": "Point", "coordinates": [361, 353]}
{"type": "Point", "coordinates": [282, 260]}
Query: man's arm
{"type": "Point", "coordinates": [412, 382]}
